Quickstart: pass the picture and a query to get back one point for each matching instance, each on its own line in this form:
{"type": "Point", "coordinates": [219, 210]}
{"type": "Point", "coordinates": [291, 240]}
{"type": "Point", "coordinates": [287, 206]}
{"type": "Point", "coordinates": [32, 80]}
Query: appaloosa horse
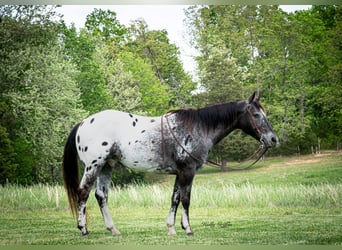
{"type": "Point", "coordinates": [175, 143]}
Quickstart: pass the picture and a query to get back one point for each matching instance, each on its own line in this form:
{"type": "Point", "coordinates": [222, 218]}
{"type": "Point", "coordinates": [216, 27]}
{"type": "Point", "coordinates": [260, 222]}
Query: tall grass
{"type": "Point", "coordinates": [309, 185]}
{"type": "Point", "coordinates": [232, 196]}
{"type": "Point", "coordinates": [159, 196]}
{"type": "Point", "coordinates": [33, 197]}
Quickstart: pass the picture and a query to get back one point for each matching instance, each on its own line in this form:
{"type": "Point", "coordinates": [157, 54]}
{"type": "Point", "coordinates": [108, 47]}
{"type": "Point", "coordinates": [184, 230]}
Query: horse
{"type": "Point", "coordinates": [176, 143]}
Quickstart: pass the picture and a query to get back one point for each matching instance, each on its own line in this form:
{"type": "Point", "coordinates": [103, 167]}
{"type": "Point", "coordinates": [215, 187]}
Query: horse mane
{"type": "Point", "coordinates": [209, 117]}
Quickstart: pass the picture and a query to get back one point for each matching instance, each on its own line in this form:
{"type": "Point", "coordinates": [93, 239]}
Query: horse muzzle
{"type": "Point", "coordinates": [269, 140]}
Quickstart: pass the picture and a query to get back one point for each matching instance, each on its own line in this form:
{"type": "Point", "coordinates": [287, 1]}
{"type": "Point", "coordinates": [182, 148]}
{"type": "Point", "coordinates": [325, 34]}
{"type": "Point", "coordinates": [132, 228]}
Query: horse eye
{"type": "Point", "coordinates": [256, 115]}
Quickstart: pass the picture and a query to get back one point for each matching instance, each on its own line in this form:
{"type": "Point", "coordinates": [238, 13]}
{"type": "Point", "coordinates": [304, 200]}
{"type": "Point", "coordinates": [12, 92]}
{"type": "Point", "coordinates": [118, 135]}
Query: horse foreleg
{"type": "Point", "coordinates": [101, 194]}
{"type": "Point", "coordinates": [170, 222]}
{"type": "Point", "coordinates": [185, 193]}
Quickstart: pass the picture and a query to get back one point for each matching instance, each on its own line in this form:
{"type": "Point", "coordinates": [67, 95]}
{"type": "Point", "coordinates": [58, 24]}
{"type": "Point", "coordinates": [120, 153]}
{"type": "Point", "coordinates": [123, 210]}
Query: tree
{"type": "Point", "coordinates": [46, 108]}
{"type": "Point", "coordinates": [38, 93]}
{"type": "Point", "coordinates": [325, 98]}
{"type": "Point", "coordinates": [285, 55]}
{"type": "Point", "coordinates": [104, 25]}
{"type": "Point", "coordinates": [7, 154]}
{"type": "Point", "coordinates": [91, 78]}
{"type": "Point", "coordinates": [154, 93]}
{"type": "Point", "coordinates": [155, 48]}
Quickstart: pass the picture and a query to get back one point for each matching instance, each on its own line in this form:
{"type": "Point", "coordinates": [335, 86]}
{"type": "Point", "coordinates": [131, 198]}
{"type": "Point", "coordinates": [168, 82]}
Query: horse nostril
{"type": "Point", "coordinates": [274, 139]}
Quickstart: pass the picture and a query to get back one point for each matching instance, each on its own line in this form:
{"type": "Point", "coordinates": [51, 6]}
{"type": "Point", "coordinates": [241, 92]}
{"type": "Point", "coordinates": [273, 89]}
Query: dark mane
{"type": "Point", "coordinates": [209, 117]}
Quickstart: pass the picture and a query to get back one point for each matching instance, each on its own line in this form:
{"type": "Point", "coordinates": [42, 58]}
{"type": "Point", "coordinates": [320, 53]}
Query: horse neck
{"type": "Point", "coordinates": [228, 121]}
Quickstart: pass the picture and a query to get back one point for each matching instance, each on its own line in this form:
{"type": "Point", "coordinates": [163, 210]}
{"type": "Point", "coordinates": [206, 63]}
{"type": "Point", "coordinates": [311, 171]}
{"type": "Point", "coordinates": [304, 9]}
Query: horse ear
{"type": "Point", "coordinates": [255, 97]}
{"type": "Point", "coordinates": [251, 98]}
{"type": "Point", "coordinates": [258, 95]}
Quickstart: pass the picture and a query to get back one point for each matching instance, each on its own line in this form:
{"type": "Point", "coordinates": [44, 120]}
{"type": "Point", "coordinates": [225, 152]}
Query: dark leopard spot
{"type": "Point", "coordinates": [131, 115]}
{"type": "Point", "coordinates": [104, 143]}
{"type": "Point", "coordinates": [78, 139]}
{"type": "Point", "coordinates": [92, 120]}
{"type": "Point", "coordinates": [133, 124]}
{"type": "Point", "coordinates": [136, 119]}
{"type": "Point", "coordinates": [136, 141]}
{"type": "Point", "coordinates": [153, 141]}
{"type": "Point", "coordinates": [85, 149]}
{"type": "Point", "coordinates": [136, 162]}
{"type": "Point", "coordinates": [143, 131]}
{"type": "Point", "coordinates": [152, 120]}
{"type": "Point", "coordinates": [93, 161]}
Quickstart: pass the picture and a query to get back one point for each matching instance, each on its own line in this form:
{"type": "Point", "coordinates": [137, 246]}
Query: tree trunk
{"type": "Point", "coordinates": [224, 166]}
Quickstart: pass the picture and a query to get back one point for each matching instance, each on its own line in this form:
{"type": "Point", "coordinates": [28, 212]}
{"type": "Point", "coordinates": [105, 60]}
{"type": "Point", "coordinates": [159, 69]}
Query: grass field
{"type": "Point", "coordinates": [290, 200]}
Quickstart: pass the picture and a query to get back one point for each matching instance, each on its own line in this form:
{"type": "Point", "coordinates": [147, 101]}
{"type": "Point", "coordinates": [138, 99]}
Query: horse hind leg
{"type": "Point", "coordinates": [83, 193]}
{"type": "Point", "coordinates": [101, 194]}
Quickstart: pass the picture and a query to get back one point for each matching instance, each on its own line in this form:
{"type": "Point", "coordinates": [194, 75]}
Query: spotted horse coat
{"type": "Point", "coordinates": [176, 143]}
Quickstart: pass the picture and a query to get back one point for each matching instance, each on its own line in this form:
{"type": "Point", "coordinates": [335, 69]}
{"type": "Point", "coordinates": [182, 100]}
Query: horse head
{"type": "Point", "coordinates": [254, 122]}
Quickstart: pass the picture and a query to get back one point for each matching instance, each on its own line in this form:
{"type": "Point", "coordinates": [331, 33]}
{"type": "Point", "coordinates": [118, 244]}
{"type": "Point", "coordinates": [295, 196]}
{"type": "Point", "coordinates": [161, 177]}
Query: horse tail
{"type": "Point", "coordinates": [70, 168]}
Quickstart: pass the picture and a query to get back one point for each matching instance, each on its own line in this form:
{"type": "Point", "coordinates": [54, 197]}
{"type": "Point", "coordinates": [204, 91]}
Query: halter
{"type": "Point", "coordinates": [252, 121]}
{"type": "Point", "coordinates": [261, 149]}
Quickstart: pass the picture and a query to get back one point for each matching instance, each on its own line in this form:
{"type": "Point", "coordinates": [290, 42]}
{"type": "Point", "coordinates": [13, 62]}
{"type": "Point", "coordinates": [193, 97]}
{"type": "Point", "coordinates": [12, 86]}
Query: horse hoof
{"type": "Point", "coordinates": [115, 232]}
{"type": "Point", "coordinates": [85, 234]}
{"type": "Point", "coordinates": [172, 231]}
{"type": "Point", "coordinates": [189, 232]}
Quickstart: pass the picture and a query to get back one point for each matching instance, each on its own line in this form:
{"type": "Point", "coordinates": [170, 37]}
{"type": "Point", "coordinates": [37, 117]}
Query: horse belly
{"type": "Point", "coordinates": [141, 154]}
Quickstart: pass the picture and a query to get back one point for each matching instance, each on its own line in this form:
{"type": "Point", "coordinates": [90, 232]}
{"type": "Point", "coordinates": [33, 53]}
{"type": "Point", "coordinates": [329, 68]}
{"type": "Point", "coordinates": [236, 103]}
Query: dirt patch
{"type": "Point", "coordinates": [293, 162]}
{"type": "Point", "coordinates": [304, 159]}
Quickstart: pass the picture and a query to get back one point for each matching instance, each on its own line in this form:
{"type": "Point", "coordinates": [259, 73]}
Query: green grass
{"type": "Point", "coordinates": [282, 201]}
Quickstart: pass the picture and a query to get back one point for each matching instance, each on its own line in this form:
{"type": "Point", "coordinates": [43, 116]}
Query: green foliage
{"type": "Point", "coordinates": [46, 107]}
{"type": "Point", "coordinates": [243, 48]}
{"type": "Point", "coordinates": [104, 25]}
{"type": "Point", "coordinates": [155, 48]}
{"type": "Point", "coordinates": [39, 91]}
{"type": "Point", "coordinates": [7, 154]}
{"type": "Point", "coordinates": [154, 94]}
{"type": "Point", "coordinates": [123, 177]}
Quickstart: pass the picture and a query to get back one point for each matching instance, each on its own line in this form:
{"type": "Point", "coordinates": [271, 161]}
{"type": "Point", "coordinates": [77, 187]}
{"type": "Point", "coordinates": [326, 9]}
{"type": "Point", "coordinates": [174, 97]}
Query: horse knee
{"type": "Point", "coordinates": [185, 202]}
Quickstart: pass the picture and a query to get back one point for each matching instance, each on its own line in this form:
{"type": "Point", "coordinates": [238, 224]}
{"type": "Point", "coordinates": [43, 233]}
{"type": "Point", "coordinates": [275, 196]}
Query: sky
{"type": "Point", "coordinates": [157, 17]}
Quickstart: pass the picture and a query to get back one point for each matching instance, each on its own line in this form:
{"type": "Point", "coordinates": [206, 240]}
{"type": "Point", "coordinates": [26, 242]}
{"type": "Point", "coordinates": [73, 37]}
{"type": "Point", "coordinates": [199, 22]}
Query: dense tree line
{"type": "Point", "coordinates": [52, 76]}
{"type": "Point", "coordinates": [295, 59]}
